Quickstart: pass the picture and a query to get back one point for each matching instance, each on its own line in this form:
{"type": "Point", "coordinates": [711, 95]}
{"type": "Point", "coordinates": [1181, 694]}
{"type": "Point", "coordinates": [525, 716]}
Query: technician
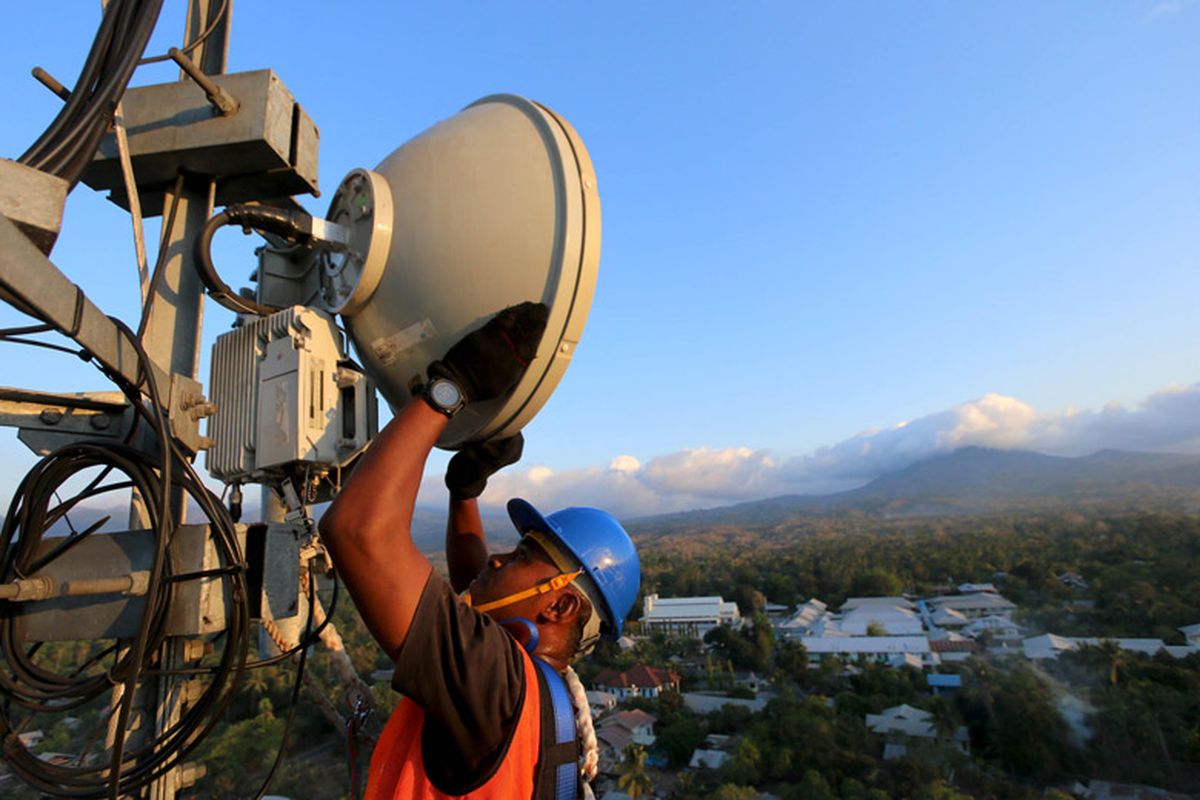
{"type": "Point", "coordinates": [487, 712]}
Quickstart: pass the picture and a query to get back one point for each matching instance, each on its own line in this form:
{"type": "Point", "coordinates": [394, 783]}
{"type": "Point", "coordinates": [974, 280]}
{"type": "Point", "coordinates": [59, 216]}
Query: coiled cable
{"type": "Point", "coordinates": [37, 690]}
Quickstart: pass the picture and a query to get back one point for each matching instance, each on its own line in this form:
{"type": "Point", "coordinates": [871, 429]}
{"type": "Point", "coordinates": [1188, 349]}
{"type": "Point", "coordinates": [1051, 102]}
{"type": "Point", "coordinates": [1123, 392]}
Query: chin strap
{"type": "Point", "coordinates": [549, 585]}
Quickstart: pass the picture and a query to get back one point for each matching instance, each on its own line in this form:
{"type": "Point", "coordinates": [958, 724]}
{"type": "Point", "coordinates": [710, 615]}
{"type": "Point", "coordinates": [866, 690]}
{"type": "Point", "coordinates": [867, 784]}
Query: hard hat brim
{"type": "Point", "coordinates": [524, 517]}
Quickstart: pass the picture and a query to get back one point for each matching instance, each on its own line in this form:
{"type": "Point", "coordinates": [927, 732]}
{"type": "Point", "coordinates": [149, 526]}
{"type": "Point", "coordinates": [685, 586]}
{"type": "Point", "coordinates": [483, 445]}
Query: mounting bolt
{"type": "Point", "coordinates": [194, 649]}
{"type": "Point", "coordinates": [100, 422]}
{"type": "Point", "coordinates": [50, 416]}
{"type": "Point", "coordinates": [201, 410]}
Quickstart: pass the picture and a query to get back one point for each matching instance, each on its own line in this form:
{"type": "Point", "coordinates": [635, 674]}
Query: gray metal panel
{"type": "Point", "coordinates": [34, 200]}
{"type": "Point", "coordinates": [281, 571]}
{"type": "Point", "coordinates": [267, 149]}
{"type": "Point", "coordinates": [197, 606]}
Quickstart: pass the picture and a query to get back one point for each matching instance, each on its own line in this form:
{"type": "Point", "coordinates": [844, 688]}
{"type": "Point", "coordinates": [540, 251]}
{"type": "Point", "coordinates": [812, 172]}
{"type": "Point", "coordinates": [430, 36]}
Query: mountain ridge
{"type": "Point", "coordinates": [974, 480]}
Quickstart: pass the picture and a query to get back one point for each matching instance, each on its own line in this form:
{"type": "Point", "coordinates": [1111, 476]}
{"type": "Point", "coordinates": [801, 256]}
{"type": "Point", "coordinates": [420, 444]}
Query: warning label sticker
{"type": "Point", "coordinates": [389, 349]}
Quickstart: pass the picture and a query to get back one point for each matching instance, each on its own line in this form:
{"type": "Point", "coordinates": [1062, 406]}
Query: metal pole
{"type": "Point", "coordinates": [172, 333]}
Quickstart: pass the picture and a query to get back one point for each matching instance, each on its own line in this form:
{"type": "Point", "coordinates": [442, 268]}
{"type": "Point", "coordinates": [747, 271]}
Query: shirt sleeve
{"type": "Point", "coordinates": [465, 671]}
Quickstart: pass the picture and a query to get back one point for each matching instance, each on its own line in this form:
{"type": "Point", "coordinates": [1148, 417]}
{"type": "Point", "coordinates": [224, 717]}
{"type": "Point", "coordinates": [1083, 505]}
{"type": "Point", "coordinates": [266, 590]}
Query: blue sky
{"type": "Point", "coordinates": [820, 219]}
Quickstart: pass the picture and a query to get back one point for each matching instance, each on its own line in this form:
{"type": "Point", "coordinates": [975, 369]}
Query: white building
{"type": "Point", "coordinates": [688, 616]}
{"type": "Point", "coordinates": [1049, 645]}
{"type": "Point", "coordinates": [973, 606]}
{"type": "Point", "coordinates": [879, 649]}
{"type": "Point", "coordinates": [713, 759]}
{"type": "Point", "coordinates": [972, 588]}
{"type": "Point", "coordinates": [812, 614]}
{"type": "Point", "coordinates": [881, 619]}
{"type": "Point", "coordinates": [1002, 629]}
{"type": "Point", "coordinates": [708, 703]}
{"type": "Point", "coordinates": [881, 616]}
{"type": "Point", "coordinates": [1191, 633]}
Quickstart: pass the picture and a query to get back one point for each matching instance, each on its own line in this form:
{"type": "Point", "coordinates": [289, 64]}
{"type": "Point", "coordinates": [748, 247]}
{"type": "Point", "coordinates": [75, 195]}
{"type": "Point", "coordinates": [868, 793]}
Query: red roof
{"type": "Point", "coordinates": [952, 646]}
{"type": "Point", "coordinates": [640, 675]}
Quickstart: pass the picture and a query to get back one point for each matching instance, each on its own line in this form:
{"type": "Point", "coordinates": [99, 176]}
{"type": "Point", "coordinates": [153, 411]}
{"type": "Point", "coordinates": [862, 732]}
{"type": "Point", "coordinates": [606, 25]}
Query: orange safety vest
{"type": "Point", "coordinates": [398, 766]}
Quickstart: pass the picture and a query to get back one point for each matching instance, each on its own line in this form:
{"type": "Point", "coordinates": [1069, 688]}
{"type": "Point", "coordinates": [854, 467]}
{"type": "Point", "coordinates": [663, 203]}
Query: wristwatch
{"type": "Point", "coordinates": [444, 395]}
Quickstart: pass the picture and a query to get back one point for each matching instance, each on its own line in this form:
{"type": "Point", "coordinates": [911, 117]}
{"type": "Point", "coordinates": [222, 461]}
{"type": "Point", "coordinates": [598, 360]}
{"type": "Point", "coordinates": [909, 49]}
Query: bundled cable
{"type": "Point", "coordinates": [27, 686]}
{"type": "Point", "coordinates": [68, 144]}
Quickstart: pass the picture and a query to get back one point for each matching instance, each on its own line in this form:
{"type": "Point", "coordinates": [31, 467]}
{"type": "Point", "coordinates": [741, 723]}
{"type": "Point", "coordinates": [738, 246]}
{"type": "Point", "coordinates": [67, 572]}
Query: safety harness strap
{"type": "Point", "coordinates": [559, 765]}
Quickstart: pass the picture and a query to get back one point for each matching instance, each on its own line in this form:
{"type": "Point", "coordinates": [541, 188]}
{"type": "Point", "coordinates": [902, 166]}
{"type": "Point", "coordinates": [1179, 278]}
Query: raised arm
{"type": "Point", "coordinates": [368, 529]}
{"type": "Point", "coordinates": [466, 543]}
{"type": "Point", "coordinates": [466, 478]}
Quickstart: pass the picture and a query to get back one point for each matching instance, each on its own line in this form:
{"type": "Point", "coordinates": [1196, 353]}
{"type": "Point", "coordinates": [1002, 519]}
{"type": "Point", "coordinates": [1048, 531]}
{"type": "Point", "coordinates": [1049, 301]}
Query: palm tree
{"type": "Point", "coordinates": [634, 780]}
{"type": "Point", "coordinates": [685, 786]}
{"type": "Point", "coordinates": [945, 720]}
{"type": "Point", "coordinates": [1115, 658]}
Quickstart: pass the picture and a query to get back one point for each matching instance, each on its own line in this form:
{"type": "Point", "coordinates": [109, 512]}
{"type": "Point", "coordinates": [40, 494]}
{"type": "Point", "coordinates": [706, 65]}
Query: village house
{"type": "Point", "coordinates": [640, 725]}
{"type": "Point", "coordinates": [943, 684]}
{"type": "Point", "coordinates": [893, 650]}
{"type": "Point", "coordinates": [1191, 633]}
{"type": "Point", "coordinates": [1002, 630]}
{"type": "Point", "coordinates": [617, 731]}
{"type": "Point", "coordinates": [637, 681]}
{"type": "Point", "coordinates": [903, 726]}
{"type": "Point", "coordinates": [600, 702]}
{"type": "Point", "coordinates": [688, 616]}
{"type": "Point", "coordinates": [953, 648]}
{"type": "Point", "coordinates": [973, 606]}
{"type": "Point", "coordinates": [713, 759]}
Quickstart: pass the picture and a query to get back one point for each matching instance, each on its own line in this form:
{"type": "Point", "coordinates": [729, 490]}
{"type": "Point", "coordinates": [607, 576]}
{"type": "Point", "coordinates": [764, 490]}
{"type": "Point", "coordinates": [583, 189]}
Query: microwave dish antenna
{"type": "Point", "coordinates": [494, 206]}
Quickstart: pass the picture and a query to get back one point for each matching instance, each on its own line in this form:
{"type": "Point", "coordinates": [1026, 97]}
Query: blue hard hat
{"type": "Point", "coordinates": [601, 546]}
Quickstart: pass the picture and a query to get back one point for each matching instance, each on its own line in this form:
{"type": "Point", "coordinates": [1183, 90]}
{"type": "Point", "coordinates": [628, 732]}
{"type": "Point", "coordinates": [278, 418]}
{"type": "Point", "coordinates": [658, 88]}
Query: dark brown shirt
{"type": "Point", "coordinates": [466, 672]}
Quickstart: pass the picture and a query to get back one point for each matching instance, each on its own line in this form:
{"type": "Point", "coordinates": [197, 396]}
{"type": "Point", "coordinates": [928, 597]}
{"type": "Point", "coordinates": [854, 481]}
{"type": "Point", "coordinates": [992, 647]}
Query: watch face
{"type": "Point", "coordinates": [445, 394]}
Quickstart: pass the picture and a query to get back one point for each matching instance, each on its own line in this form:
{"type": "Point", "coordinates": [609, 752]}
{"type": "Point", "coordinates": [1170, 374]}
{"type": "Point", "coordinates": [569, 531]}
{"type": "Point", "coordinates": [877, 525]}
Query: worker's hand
{"type": "Point", "coordinates": [469, 470]}
{"type": "Point", "coordinates": [487, 363]}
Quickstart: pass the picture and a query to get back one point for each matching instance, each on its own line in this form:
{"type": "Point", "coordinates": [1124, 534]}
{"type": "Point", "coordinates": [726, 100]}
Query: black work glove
{"type": "Point", "coordinates": [469, 470]}
{"type": "Point", "coordinates": [488, 362]}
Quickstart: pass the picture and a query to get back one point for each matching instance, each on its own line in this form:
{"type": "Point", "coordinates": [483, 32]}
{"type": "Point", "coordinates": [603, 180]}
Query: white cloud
{"type": "Point", "coordinates": [1168, 420]}
{"type": "Point", "coordinates": [1167, 8]}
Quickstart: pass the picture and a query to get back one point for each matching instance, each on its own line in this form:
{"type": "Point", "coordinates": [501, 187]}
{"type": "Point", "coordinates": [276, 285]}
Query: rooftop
{"type": "Point", "coordinates": [639, 675]}
{"type": "Point", "coordinates": [867, 644]}
{"type": "Point", "coordinates": [977, 600]}
{"type": "Point", "coordinates": [856, 602]}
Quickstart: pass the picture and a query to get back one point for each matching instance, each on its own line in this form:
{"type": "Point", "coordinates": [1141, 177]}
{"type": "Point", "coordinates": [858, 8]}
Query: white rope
{"type": "Point", "coordinates": [589, 758]}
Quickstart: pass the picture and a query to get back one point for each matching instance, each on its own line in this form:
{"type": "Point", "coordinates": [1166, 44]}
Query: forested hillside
{"type": "Point", "coordinates": [1143, 569]}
